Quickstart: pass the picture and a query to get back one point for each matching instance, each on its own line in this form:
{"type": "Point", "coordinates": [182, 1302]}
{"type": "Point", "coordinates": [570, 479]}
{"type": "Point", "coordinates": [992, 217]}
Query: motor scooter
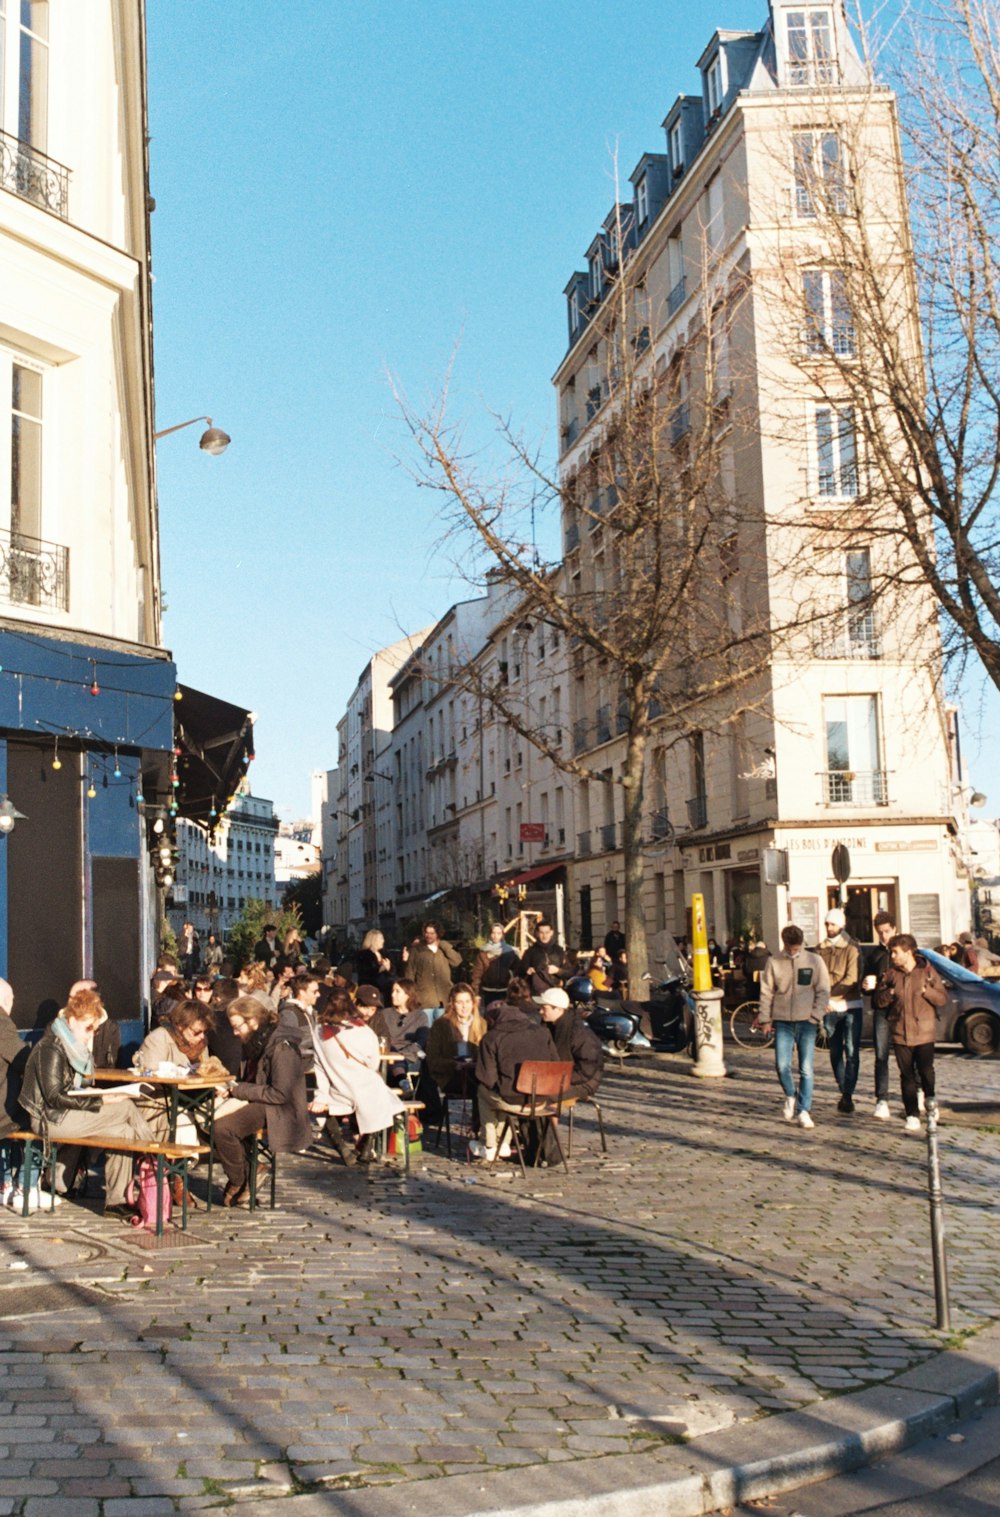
{"type": "Point", "coordinates": [616, 1022]}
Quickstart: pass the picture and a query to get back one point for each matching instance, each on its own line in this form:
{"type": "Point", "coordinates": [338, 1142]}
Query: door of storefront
{"type": "Point", "coordinates": [863, 901]}
{"type": "Point", "coordinates": [744, 903]}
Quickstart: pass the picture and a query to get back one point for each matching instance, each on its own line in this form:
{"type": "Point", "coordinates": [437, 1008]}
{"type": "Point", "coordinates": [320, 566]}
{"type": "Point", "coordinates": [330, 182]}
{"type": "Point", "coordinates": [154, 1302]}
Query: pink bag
{"type": "Point", "coordinates": [143, 1195]}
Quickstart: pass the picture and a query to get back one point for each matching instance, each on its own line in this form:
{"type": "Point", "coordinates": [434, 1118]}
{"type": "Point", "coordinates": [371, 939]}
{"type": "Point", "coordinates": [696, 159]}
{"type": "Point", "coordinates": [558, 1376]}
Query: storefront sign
{"type": "Point", "coordinates": [803, 911]}
{"type": "Point", "coordinates": [818, 842]}
{"type": "Point", "coordinates": [748, 855]}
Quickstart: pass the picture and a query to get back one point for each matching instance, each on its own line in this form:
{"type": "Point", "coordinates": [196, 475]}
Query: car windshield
{"type": "Point", "coordinates": [950, 969]}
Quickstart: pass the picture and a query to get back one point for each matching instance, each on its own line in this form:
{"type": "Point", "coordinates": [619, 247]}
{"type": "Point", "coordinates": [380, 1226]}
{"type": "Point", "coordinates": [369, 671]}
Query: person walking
{"type": "Point", "coordinates": [875, 963]}
{"type": "Point", "coordinates": [794, 994]}
{"type": "Point", "coordinates": [909, 993]}
{"type": "Point", "coordinates": [842, 957]}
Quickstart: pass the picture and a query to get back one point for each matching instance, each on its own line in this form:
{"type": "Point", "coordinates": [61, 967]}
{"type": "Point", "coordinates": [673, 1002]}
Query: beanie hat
{"type": "Point", "coordinates": [835, 918]}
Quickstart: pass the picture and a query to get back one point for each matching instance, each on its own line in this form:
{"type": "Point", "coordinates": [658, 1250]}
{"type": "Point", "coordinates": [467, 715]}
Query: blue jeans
{"type": "Point", "coordinates": [880, 1034]}
{"type": "Point", "coordinates": [843, 1031]}
{"type": "Point", "coordinates": [802, 1037]}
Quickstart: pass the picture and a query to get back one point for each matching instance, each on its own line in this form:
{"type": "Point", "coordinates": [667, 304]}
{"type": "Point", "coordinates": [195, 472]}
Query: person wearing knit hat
{"type": "Point", "coordinates": [842, 957]}
{"type": "Point", "coordinates": [13, 1057]}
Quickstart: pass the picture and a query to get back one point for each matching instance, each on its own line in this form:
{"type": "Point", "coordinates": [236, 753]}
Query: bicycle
{"type": "Point", "coordinates": [746, 1031]}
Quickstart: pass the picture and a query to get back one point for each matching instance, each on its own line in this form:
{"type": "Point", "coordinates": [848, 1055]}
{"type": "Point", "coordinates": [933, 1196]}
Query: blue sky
{"type": "Point", "coordinates": [347, 190]}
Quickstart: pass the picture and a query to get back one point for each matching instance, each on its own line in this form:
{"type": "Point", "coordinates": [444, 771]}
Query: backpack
{"type": "Point", "coordinates": [142, 1193]}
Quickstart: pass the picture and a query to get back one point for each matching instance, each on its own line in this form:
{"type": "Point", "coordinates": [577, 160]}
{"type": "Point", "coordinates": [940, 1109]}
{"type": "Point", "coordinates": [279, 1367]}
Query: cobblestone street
{"type": "Point", "coordinates": [717, 1266]}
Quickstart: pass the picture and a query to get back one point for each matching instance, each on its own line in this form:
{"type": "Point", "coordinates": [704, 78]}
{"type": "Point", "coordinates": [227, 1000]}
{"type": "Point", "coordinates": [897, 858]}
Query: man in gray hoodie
{"type": "Point", "coordinates": [794, 994]}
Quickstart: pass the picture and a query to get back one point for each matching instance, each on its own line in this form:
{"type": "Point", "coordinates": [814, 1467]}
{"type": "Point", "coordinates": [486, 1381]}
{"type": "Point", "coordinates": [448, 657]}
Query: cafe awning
{"type": "Point", "coordinates": [529, 876]}
{"type": "Point", "coordinates": [216, 742]}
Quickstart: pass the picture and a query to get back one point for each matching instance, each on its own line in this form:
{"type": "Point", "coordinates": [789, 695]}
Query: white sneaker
{"type": "Point", "coordinates": [490, 1152]}
{"type": "Point", "coordinates": [921, 1103]}
{"type": "Point", "coordinates": [6, 1191]}
{"type": "Point", "coordinates": [788, 1110]}
{"type": "Point", "coordinates": [503, 1152]}
{"type": "Point", "coordinates": [477, 1150]}
{"type": "Point", "coordinates": [805, 1120]}
{"type": "Point", "coordinates": [882, 1111]}
{"type": "Point", "coordinates": [912, 1124]}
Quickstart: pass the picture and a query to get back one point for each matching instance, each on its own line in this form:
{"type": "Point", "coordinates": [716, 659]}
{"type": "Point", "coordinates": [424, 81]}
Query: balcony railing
{"type": "Point", "coordinates": [676, 297]}
{"type": "Point", "coordinates": [697, 810]}
{"type": "Point", "coordinates": [855, 787]}
{"type": "Point", "coordinates": [582, 843]}
{"type": "Point", "coordinates": [609, 837]}
{"type": "Point", "coordinates": [856, 638]}
{"type": "Point", "coordinates": [32, 572]}
{"type": "Point", "coordinates": [680, 423]}
{"type": "Point", "coordinates": [659, 825]}
{"type": "Point", "coordinates": [28, 173]}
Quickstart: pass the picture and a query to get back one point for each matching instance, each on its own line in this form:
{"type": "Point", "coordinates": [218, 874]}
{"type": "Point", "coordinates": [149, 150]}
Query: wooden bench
{"type": "Point", "coordinates": [171, 1163]}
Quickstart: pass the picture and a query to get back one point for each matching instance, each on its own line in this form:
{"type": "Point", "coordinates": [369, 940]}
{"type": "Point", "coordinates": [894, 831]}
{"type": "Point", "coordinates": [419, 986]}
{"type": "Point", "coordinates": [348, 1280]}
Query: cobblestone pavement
{"type": "Point", "coordinates": [719, 1265]}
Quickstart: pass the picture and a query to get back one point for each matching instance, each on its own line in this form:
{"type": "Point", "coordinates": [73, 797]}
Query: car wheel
{"type": "Point", "coordinates": [981, 1034]}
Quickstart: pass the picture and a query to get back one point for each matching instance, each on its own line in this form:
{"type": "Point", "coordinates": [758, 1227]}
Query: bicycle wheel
{"type": "Point", "coordinates": [743, 1028]}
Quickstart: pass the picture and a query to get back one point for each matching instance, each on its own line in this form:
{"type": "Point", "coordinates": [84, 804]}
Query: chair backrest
{"type": "Point", "coordinates": [544, 1077]}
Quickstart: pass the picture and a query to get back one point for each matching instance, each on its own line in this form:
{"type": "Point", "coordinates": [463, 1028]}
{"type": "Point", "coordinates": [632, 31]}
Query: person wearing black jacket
{"type": "Point", "coordinates": [876, 963]}
{"type": "Point", "coordinates": [13, 1057]}
{"type": "Point", "coordinates": [574, 1042]}
{"type": "Point", "coordinates": [273, 1087]}
{"type": "Point", "coordinates": [546, 962]}
{"type": "Point", "coordinates": [512, 1039]}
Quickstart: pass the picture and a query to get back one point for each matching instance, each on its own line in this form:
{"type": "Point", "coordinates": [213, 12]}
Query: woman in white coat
{"type": "Point", "coordinates": [349, 1080]}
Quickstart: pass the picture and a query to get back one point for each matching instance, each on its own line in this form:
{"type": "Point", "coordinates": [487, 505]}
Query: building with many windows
{"type": "Point", "coordinates": [848, 744]}
{"type": "Point", "coordinates": [217, 873]}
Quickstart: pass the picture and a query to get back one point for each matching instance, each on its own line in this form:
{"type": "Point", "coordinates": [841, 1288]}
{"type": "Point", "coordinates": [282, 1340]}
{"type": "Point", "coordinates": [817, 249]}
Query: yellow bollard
{"type": "Point", "coordinates": [701, 967]}
{"type": "Point", "coordinates": [709, 1062]}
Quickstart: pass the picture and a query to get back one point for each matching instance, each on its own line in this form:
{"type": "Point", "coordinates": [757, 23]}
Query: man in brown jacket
{"type": "Point", "coordinates": [909, 993]}
{"type": "Point", "coordinates": [430, 964]}
{"type": "Point", "coordinates": [843, 1020]}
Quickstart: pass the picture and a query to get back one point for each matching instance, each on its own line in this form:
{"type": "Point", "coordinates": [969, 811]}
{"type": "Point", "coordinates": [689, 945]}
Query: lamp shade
{"type": "Point", "coordinates": [214, 441]}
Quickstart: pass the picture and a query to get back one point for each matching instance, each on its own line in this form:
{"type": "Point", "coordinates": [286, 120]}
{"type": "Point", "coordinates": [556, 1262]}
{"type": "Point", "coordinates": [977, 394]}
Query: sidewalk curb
{"type": "Point", "coordinates": [742, 1463]}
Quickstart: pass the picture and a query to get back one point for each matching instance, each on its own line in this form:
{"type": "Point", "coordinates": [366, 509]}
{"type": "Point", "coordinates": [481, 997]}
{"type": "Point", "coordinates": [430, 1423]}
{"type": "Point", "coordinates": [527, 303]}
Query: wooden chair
{"type": "Point", "coordinates": [544, 1084]}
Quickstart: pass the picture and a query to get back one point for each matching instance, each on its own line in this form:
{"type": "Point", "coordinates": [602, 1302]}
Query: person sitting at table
{"type": "Point", "coordinates": [450, 1054]}
{"type": "Point", "coordinates": [599, 970]}
{"type": "Point", "coordinates": [349, 1081]}
{"type": "Point", "coordinates": [511, 1039]}
{"type": "Point", "coordinates": [408, 1023]}
{"type": "Point", "coordinates": [180, 1039]}
{"type": "Point", "coordinates": [255, 980]}
{"type": "Point", "coordinates": [368, 1002]}
{"type": "Point", "coordinates": [273, 1086]}
{"type": "Point", "coordinates": [61, 1062]}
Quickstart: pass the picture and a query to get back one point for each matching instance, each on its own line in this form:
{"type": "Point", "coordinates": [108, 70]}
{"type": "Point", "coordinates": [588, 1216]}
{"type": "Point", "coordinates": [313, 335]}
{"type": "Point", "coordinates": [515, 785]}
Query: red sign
{"type": "Point", "coordinates": [532, 832]}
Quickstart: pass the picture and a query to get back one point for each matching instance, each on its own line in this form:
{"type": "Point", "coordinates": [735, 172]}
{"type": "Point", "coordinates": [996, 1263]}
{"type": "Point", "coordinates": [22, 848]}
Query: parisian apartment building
{"type": "Point", "coordinates": [102, 752]}
{"type": "Point", "coordinates": [848, 755]}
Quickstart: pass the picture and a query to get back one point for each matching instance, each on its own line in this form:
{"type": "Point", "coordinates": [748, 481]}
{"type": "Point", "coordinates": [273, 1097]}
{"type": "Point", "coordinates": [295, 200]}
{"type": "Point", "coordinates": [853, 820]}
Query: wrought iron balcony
{"type": "Point", "coordinates": [659, 825]}
{"type": "Point", "coordinates": [676, 297]}
{"type": "Point", "coordinates": [855, 787]}
{"type": "Point", "coordinates": [856, 637]}
{"type": "Point", "coordinates": [609, 837]}
{"type": "Point", "coordinates": [28, 173]}
{"type": "Point", "coordinates": [583, 843]}
{"type": "Point", "coordinates": [697, 810]}
{"type": "Point", "coordinates": [32, 572]}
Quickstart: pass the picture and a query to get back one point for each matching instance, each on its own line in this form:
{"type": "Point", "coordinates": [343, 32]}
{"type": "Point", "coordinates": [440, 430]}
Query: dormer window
{"type": "Point", "coordinates": [714, 89]}
{"type": "Point", "coordinates": [811, 57]}
{"type": "Point", "coordinates": [642, 201]}
{"type": "Point", "coordinates": [675, 144]}
{"type": "Point", "coordinates": [596, 281]}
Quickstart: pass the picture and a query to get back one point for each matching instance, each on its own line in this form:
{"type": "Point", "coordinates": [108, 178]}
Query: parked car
{"type": "Point", "coordinates": [971, 1014]}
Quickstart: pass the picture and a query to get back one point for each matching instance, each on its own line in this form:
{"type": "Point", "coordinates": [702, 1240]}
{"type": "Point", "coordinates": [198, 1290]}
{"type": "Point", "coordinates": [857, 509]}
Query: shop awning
{"type": "Point", "coordinates": [216, 742]}
{"type": "Point", "coordinates": [530, 875]}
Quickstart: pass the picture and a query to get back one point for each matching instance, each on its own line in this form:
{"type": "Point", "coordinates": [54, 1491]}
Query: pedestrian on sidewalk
{"type": "Point", "coordinates": [876, 962]}
{"type": "Point", "coordinates": [794, 994]}
{"type": "Point", "coordinates": [842, 957]}
{"type": "Point", "coordinates": [910, 993]}
{"type": "Point", "coordinates": [430, 964]}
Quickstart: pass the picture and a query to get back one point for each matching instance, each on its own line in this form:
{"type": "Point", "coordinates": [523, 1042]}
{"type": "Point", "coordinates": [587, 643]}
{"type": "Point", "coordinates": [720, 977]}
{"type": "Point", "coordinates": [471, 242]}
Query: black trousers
{"type": "Point", "coordinates": [914, 1062]}
{"type": "Point", "coordinates": [230, 1133]}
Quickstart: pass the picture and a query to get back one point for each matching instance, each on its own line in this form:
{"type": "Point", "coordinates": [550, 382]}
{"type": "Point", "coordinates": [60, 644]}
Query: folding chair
{"type": "Point", "coordinates": [544, 1084]}
{"type": "Point", "coordinates": [600, 1123]}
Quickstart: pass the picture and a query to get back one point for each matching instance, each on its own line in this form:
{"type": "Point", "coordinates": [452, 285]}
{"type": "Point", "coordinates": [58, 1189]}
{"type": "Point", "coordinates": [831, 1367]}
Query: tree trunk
{"type": "Point", "coordinates": [634, 915]}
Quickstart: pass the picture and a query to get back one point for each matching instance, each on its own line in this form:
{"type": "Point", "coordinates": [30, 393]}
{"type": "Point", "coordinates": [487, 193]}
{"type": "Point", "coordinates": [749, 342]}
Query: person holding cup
{"type": "Point", "coordinates": [877, 962]}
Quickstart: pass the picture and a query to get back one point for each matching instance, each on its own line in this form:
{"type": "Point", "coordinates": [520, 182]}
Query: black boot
{"type": "Point", "coordinates": [366, 1153]}
{"type": "Point", "coordinates": [335, 1133]}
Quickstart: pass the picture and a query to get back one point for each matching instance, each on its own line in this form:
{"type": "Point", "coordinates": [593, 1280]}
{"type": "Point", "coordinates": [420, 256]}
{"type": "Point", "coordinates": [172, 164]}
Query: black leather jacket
{"type": "Point", "coordinates": [48, 1077]}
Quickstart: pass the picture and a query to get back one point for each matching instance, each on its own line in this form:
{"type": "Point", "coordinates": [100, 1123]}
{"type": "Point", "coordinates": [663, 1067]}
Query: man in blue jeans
{"type": "Point", "coordinates": [794, 994]}
{"type": "Point", "coordinates": [842, 958]}
{"type": "Point", "coordinates": [876, 963]}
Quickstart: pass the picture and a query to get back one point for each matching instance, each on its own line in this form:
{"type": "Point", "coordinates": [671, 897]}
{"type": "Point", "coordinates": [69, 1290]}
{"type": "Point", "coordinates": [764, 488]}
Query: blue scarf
{"type": "Point", "coordinates": [78, 1054]}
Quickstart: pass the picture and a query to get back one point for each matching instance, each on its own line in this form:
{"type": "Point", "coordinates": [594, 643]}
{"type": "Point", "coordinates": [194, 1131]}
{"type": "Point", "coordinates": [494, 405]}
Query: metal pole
{"type": "Point", "coordinates": [937, 1221]}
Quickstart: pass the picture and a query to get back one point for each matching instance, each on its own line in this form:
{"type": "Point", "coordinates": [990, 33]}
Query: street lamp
{"type": "Point", "coordinates": [9, 814]}
{"type": "Point", "coordinates": [213, 441]}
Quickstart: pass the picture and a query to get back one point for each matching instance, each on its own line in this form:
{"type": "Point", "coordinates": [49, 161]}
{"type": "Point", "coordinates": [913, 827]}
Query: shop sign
{"type": "Point", "coordinates": [747, 855]}
{"type": "Point", "coordinates": [914, 845]}
{"type": "Point", "coordinates": [818, 842]}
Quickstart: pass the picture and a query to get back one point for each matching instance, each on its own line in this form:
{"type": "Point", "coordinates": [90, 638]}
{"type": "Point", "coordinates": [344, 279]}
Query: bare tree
{"type": "Point", "coordinates": [663, 605]}
{"type": "Point", "coordinates": [895, 306]}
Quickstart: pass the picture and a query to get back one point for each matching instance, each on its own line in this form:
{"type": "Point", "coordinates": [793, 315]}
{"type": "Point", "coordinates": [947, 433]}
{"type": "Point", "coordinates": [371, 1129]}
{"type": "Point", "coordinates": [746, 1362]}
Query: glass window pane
{"type": "Point", "coordinates": [824, 451]}
{"type": "Point", "coordinates": [859, 576]}
{"type": "Point", "coordinates": [26, 394]}
{"type": "Point", "coordinates": [848, 452]}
